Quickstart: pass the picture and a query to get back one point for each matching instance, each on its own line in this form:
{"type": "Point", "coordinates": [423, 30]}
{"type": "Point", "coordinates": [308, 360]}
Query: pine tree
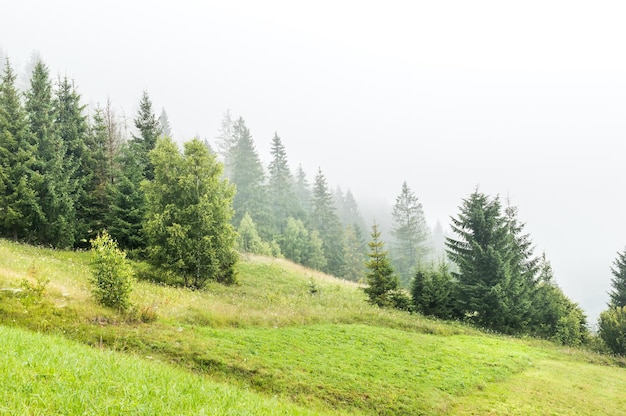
{"type": "Point", "coordinates": [380, 277]}
{"type": "Point", "coordinates": [618, 294]}
{"type": "Point", "coordinates": [433, 291]}
{"type": "Point", "coordinates": [410, 234]}
{"type": "Point", "coordinates": [302, 191]}
{"type": "Point", "coordinates": [324, 219]}
{"type": "Point", "coordinates": [19, 208]}
{"type": "Point", "coordinates": [354, 249]}
{"type": "Point", "coordinates": [249, 178]}
{"type": "Point", "coordinates": [225, 143]}
{"type": "Point", "coordinates": [188, 215]}
{"type": "Point", "coordinates": [283, 203]}
{"type": "Point", "coordinates": [164, 124]}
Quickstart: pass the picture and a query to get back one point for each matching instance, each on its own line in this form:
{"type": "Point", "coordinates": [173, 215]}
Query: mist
{"type": "Point", "coordinates": [522, 101]}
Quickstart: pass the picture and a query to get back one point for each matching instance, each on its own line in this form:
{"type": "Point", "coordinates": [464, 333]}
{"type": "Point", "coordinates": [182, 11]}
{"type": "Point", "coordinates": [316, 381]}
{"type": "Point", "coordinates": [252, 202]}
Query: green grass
{"type": "Point", "coordinates": [48, 375]}
{"type": "Point", "coordinates": [273, 341]}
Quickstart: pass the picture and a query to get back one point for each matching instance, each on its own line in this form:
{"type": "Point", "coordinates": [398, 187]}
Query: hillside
{"type": "Point", "coordinates": [286, 340]}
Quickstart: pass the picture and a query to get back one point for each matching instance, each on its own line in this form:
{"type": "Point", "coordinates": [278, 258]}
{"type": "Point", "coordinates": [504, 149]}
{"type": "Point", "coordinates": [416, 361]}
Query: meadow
{"type": "Point", "coordinates": [285, 340]}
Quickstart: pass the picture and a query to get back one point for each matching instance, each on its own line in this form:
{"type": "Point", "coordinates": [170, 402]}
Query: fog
{"type": "Point", "coordinates": [524, 101]}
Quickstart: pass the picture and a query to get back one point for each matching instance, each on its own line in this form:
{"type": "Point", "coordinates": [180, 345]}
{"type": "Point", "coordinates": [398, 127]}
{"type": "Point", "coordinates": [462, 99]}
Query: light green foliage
{"type": "Point", "coordinates": [188, 215]}
{"type": "Point", "coordinates": [410, 235]}
{"type": "Point", "coordinates": [301, 246]}
{"type": "Point", "coordinates": [612, 329]}
{"type": "Point", "coordinates": [112, 275]}
{"type": "Point", "coordinates": [248, 239]}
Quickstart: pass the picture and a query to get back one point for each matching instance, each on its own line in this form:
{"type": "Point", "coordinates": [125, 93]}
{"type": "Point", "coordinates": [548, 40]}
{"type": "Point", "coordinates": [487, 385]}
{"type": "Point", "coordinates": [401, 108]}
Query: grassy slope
{"type": "Point", "coordinates": [329, 351]}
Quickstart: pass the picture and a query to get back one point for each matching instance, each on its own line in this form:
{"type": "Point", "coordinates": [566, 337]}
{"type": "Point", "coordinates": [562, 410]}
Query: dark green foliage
{"type": "Point", "coordinates": [149, 130]}
{"type": "Point", "coordinates": [325, 221]}
{"type": "Point", "coordinates": [66, 223]}
{"type": "Point", "coordinates": [483, 256]}
{"type": "Point", "coordinates": [618, 294]}
{"type": "Point", "coordinates": [96, 180]}
{"type": "Point", "coordinates": [612, 329]}
{"type": "Point", "coordinates": [127, 201]}
{"type": "Point", "coordinates": [19, 206]}
{"type": "Point", "coordinates": [112, 275]}
{"type": "Point", "coordinates": [497, 284]}
{"type": "Point", "coordinates": [188, 215]}
{"type": "Point", "coordinates": [249, 178]}
{"type": "Point", "coordinates": [410, 234]}
{"type": "Point", "coordinates": [554, 315]}
{"type": "Point", "coordinates": [382, 284]}
{"type": "Point", "coordinates": [433, 292]}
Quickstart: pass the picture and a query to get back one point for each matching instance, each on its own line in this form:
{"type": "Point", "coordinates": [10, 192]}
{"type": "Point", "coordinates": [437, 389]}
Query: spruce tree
{"type": "Point", "coordinates": [410, 234]}
{"type": "Point", "coordinates": [164, 124]}
{"type": "Point", "coordinates": [72, 127]}
{"type": "Point", "coordinates": [618, 294]}
{"type": "Point", "coordinates": [302, 191]}
{"type": "Point", "coordinates": [225, 142]}
{"type": "Point", "coordinates": [324, 219]}
{"type": "Point", "coordinates": [249, 178]}
{"type": "Point", "coordinates": [282, 200]}
{"type": "Point", "coordinates": [149, 130]}
{"type": "Point", "coordinates": [96, 180]}
{"type": "Point", "coordinates": [481, 252]}
{"type": "Point", "coordinates": [19, 207]}
{"type": "Point", "coordinates": [380, 277]}
{"type": "Point", "coordinates": [354, 254]}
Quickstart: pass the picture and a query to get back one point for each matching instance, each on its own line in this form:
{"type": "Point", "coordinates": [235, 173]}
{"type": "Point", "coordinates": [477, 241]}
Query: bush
{"type": "Point", "coordinates": [112, 275]}
{"type": "Point", "coordinates": [612, 329]}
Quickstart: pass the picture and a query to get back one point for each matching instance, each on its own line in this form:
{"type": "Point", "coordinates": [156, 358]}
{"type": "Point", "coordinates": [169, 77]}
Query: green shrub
{"type": "Point", "coordinates": [112, 275]}
{"type": "Point", "coordinates": [612, 329]}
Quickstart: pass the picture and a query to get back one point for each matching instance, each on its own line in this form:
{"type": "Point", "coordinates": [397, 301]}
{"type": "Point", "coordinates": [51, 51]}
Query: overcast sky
{"type": "Point", "coordinates": [522, 99]}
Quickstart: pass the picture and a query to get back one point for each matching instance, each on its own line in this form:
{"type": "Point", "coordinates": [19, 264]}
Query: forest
{"type": "Point", "coordinates": [69, 173]}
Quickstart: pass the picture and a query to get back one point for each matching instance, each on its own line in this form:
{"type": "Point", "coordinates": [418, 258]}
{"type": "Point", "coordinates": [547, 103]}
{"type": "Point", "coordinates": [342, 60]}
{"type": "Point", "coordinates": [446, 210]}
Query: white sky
{"type": "Point", "coordinates": [524, 99]}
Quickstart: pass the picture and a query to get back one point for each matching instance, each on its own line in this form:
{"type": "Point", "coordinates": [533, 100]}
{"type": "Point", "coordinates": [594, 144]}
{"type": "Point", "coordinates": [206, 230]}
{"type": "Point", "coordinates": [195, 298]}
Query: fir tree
{"type": "Point", "coordinates": [482, 255]}
{"type": "Point", "coordinates": [618, 294]}
{"type": "Point", "coordinates": [71, 125]}
{"type": "Point", "coordinates": [410, 234]}
{"type": "Point", "coordinates": [164, 124]}
{"type": "Point", "coordinates": [324, 219]}
{"type": "Point", "coordinates": [283, 203]}
{"type": "Point", "coordinates": [149, 130]}
{"type": "Point", "coordinates": [249, 178]}
{"type": "Point", "coordinates": [380, 277]}
{"type": "Point", "coordinates": [302, 191]}
{"type": "Point", "coordinates": [225, 143]}
{"type": "Point", "coordinates": [19, 208]}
